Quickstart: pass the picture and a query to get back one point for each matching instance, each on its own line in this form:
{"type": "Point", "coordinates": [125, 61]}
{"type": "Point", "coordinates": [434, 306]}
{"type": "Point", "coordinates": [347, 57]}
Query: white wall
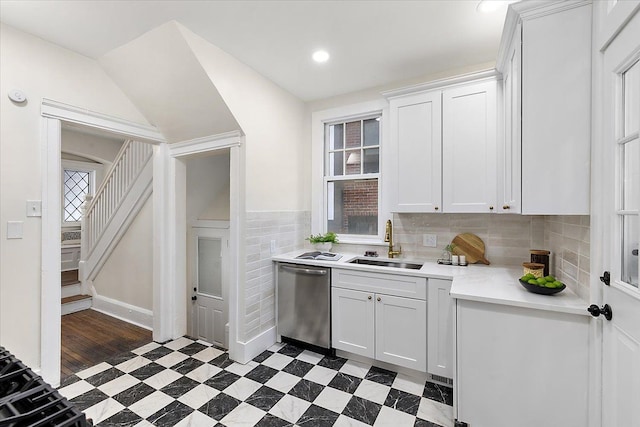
{"type": "Point", "coordinates": [127, 275]}
{"type": "Point", "coordinates": [275, 126]}
{"type": "Point", "coordinates": [208, 188]}
{"type": "Point", "coordinates": [41, 70]}
{"type": "Point", "coordinates": [160, 74]}
{"type": "Point", "coordinates": [97, 148]}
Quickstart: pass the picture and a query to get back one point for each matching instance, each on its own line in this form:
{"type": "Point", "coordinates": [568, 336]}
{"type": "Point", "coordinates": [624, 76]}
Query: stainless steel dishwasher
{"type": "Point", "coordinates": [304, 299]}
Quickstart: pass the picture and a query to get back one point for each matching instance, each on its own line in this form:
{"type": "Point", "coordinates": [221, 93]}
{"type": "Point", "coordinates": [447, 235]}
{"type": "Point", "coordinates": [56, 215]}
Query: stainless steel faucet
{"type": "Point", "coordinates": [388, 237]}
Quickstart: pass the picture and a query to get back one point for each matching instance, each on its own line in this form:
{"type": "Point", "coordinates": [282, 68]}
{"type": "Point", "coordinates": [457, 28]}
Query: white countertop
{"type": "Point", "coordinates": [482, 283]}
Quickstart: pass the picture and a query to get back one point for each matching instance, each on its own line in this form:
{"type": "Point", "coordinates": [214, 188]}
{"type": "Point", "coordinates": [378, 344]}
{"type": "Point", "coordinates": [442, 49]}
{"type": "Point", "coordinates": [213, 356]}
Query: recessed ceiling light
{"type": "Point", "coordinates": [320, 56]}
{"type": "Point", "coordinates": [488, 6]}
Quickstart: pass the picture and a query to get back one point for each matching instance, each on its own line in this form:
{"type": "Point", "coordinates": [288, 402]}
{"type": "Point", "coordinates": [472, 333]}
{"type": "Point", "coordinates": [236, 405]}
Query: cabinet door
{"type": "Point", "coordinates": [532, 364]}
{"type": "Point", "coordinates": [415, 153]}
{"type": "Point", "coordinates": [510, 158]}
{"type": "Point", "coordinates": [352, 321]}
{"type": "Point", "coordinates": [401, 331]}
{"type": "Point", "coordinates": [469, 148]}
{"type": "Point", "coordinates": [556, 113]}
{"type": "Point", "coordinates": [440, 328]}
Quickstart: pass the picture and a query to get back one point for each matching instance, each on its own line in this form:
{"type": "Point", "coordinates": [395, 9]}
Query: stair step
{"type": "Point", "coordinates": [69, 277]}
{"type": "Point", "coordinates": [71, 290]}
{"type": "Point", "coordinates": [76, 303]}
{"type": "Point", "coordinates": [77, 282]}
{"type": "Point", "coordinates": [75, 298]}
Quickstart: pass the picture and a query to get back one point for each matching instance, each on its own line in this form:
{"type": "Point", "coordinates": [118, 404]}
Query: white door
{"type": "Point", "coordinates": [621, 334]}
{"type": "Point", "coordinates": [210, 285]}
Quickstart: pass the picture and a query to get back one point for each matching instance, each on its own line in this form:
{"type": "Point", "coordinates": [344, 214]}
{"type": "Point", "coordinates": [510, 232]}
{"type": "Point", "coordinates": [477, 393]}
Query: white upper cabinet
{"type": "Point", "coordinates": [551, 65]}
{"type": "Point", "coordinates": [469, 148]}
{"type": "Point", "coordinates": [442, 152]}
{"type": "Point", "coordinates": [510, 145]}
{"type": "Point", "coordinates": [416, 152]}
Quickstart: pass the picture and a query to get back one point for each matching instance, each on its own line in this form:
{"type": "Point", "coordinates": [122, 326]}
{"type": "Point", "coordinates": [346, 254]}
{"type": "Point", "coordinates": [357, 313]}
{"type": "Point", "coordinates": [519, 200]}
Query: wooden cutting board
{"type": "Point", "coordinates": [471, 246]}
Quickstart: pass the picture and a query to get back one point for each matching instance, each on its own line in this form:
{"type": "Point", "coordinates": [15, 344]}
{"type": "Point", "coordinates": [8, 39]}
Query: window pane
{"type": "Point", "coordinates": [354, 160]}
{"type": "Point", "coordinates": [352, 138]}
{"type": "Point", "coordinates": [631, 175]}
{"type": "Point", "coordinates": [632, 99]}
{"type": "Point", "coordinates": [371, 160]}
{"type": "Point", "coordinates": [209, 266]}
{"type": "Point", "coordinates": [336, 167]}
{"type": "Point", "coordinates": [353, 207]}
{"type": "Point", "coordinates": [372, 132]}
{"type": "Point", "coordinates": [630, 233]}
{"type": "Point", "coordinates": [76, 187]}
{"type": "Point", "coordinates": [335, 136]}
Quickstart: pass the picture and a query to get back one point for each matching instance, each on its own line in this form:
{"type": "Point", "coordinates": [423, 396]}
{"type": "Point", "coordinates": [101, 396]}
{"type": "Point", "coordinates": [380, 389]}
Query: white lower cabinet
{"type": "Point", "coordinates": [401, 331]}
{"type": "Point", "coordinates": [519, 366]}
{"type": "Point", "coordinates": [352, 321]}
{"type": "Point", "coordinates": [379, 326]}
{"type": "Point", "coordinates": [440, 328]}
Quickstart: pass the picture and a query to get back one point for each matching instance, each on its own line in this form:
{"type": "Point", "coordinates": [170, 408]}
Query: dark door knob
{"type": "Point", "coordinates": [193, 298]}
{"type": "Point", "coordinates": [606, 278]}
{"type": "Point", "coordinates": [597, 311]}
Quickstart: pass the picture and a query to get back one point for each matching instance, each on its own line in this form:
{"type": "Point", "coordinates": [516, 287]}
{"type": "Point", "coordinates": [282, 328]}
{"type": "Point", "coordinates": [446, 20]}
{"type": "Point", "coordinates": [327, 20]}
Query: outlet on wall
{"type": "Point", "coordinates": [273, 247]}
{"type": "Point", "coordinates": [429, 240]}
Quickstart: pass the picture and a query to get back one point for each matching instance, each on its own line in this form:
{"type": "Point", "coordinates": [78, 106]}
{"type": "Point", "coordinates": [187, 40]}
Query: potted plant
{"type": "Point", "coordinates": [323, 242]}
{"type": "Point", "coordinates": [448, 251]}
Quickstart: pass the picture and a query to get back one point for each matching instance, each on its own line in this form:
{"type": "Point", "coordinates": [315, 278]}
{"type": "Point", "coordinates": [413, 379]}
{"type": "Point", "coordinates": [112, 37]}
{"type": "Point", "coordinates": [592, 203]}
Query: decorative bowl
{"type": "Point", "coordinates": [541, 289]}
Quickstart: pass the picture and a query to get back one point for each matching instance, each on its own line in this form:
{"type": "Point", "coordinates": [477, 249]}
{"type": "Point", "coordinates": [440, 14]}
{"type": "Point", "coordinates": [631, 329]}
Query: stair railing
{"type": "Point", "coordinates": [99, 210]}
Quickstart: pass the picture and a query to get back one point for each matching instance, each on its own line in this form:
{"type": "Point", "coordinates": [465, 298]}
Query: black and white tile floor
{"type": "Point", "coordinates": [190, 383]}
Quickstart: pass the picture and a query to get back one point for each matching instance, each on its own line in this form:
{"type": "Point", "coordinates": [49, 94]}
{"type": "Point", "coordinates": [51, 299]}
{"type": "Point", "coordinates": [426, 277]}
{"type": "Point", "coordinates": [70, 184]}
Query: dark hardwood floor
{"type": "Point", "coordinates": [90, 337]}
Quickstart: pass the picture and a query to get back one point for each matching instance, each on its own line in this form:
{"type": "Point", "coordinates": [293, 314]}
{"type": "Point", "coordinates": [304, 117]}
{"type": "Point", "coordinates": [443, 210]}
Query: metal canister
{"type": "Point", "coordinates": [541, 256]}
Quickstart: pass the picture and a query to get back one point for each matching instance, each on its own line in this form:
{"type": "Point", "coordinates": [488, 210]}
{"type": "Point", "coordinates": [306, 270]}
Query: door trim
{"type": "Point", "coordinates": [53, 113]}
{"type": "Point", "coordinates": [174, 222]}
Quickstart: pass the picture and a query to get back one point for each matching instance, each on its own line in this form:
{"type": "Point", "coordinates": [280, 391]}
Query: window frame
{"type": "Point", "coordinates": [320, 157]}
{"type": "Point", "coordinates": [95, 171]}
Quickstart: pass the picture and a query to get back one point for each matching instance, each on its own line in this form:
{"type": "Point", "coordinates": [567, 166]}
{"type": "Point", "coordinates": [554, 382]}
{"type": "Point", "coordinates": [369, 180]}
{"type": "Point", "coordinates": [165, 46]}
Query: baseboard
{"type": "Point", "coordinates": [250, 349]}
{"type": "Point", "coordinates": [123, 311]}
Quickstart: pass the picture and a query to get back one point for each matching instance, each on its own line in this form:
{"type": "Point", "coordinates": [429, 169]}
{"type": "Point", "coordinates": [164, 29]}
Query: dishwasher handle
{"type": "Point", "coordinates": [309, 271]}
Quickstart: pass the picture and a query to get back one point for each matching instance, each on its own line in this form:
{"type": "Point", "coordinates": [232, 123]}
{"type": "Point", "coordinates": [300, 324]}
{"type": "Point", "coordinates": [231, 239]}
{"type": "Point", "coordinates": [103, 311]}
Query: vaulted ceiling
{"type": "Point", "coordinates": [371, 43]}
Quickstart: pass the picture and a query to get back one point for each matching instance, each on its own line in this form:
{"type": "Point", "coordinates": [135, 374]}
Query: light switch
{"type": "Point", "coordinates": [14, 229]}
{"type": "Point", "coordinates": [34, 208]}
{"type": "Point", "coordinates": [430, 240]}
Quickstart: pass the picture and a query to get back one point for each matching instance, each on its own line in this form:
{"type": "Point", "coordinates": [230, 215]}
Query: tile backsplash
{"type": "Point", "coordinates": [567, 237]}
{"type": "Point", "coordinates": [507, 239]}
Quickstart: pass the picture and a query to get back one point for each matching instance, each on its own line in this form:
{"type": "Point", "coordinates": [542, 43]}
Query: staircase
{"type": "Point", "coordinates": [72, 298]}
{"type": "Point", "coordinates": [106, 218]}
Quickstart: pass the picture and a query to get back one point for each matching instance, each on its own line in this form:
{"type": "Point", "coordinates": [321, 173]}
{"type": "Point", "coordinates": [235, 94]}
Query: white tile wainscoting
{"type": "Point", "coordinates": [288, 230]}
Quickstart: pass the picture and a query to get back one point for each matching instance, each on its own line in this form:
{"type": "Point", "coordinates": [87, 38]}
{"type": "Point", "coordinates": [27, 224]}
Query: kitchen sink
{"type": "Point", "coordinates": [386, 263]}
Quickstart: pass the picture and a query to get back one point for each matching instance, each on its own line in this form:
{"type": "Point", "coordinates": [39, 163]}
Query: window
{"type": "Point", "coordinates": [78, 180]}
{"type": "Point", "coordinates": [629, 177]}
{"type": "Point", "coordinates": [352, 175]}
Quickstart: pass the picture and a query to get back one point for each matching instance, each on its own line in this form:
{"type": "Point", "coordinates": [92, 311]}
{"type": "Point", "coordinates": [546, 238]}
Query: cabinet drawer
{"type": "Point", "coordinates": [390, 284]}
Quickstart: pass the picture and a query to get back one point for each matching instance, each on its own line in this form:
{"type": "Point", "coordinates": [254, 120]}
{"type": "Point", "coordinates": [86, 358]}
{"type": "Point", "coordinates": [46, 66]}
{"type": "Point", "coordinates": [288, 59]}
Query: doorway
{"type": "Point", "coordinates": [210, 285]}
{"type": "Point", "coordinates": [54, 115]}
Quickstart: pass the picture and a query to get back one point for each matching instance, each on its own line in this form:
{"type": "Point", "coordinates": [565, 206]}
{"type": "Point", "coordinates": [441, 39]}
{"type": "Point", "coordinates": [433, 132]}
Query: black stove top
{"type": "Point", "coordinates": [26, 400]}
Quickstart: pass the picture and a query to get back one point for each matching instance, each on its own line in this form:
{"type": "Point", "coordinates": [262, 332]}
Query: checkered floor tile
{"type": "Point", "coordinates": [190, 383]}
